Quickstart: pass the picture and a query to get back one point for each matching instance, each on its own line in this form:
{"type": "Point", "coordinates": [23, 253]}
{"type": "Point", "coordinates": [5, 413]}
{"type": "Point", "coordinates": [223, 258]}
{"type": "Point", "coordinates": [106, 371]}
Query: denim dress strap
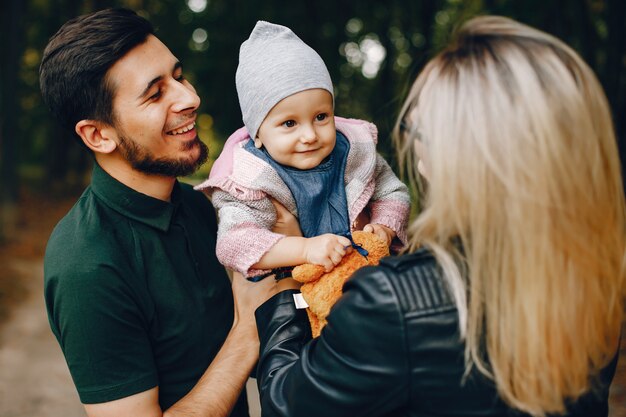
{"type": "Point", "coordinates": [319, 192]}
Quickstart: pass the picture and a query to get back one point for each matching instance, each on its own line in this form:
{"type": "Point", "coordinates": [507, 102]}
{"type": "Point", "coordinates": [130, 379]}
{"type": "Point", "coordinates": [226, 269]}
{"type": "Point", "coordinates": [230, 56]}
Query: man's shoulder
{"type": "Point", "coordinates": [89, 233]}
{"type": "Point", "coordinates": [417, 280]}
{"type": "Point", "coordinates": [87, 217]}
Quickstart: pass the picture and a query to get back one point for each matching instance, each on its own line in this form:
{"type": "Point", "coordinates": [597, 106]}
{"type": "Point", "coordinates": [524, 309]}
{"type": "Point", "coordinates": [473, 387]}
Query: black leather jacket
{"type": "Point", "coordinates": [391, 348]}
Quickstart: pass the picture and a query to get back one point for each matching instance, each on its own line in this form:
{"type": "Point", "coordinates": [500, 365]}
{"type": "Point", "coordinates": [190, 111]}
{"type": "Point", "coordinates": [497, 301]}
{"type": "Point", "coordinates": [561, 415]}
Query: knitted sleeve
{"type": "Point", "coordinates": [244, 232]}
{"type": "Point", "coordinates": [390, 202]}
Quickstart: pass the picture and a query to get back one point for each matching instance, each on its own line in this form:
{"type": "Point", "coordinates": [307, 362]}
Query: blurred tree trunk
{"type": "Point", "coordinates": [57, 143]}
{"type": "Point", "coordinates": [11, 49]}
{"type": "Point", "coordinates": [587, 35]}
{"type": "Point", "coordinates": [383, 109]}
{"type": "Point", "coordinates": [613, 77]}
{"type": "Point", "coordinates": [67, 161]}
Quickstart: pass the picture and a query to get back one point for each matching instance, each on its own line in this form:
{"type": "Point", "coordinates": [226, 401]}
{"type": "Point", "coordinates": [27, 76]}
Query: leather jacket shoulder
{"type": "Point", "coordinates": [418, 283]}
{"type": "Point", "coordinates": [391, 347]}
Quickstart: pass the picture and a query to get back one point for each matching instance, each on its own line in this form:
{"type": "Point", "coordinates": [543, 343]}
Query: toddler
{"type": "Point", "coordinates": [323, 169]}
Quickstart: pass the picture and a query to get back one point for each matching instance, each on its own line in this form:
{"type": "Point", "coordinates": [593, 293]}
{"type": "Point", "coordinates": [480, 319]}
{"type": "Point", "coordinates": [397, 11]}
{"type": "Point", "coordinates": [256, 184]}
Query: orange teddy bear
{"type": "Point", "coordinates": [321, 290]}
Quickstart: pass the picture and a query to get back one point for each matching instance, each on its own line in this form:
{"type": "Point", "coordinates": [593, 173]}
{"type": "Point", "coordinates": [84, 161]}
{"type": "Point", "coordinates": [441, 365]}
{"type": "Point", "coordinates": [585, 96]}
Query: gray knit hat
{"type": "Point", "coordinates": [274, 63]}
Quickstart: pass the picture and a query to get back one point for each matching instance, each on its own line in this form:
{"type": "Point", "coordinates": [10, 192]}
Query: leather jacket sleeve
{"type": "Point", "coordinates": [361, 351]}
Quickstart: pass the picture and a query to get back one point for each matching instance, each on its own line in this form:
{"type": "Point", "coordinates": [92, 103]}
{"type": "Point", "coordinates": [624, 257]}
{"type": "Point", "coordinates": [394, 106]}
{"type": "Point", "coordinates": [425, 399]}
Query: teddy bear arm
{"type": "Point", "coordinates": [307, 272]}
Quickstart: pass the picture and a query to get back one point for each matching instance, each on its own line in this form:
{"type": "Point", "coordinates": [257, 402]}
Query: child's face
{"type": "Point", "coordinates": [299, 131]}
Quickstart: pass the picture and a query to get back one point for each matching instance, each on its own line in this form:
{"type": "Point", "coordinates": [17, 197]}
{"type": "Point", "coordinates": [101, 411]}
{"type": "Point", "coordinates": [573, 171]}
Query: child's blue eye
{"type": "Point", "coordinates": [289, 123]}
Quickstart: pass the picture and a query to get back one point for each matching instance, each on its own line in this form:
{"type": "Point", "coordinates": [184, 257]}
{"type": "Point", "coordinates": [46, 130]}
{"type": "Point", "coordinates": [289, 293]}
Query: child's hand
{"type": "Point", "coordinates": [326, 250]}
{"type": "Point", "coordinates": [381, 231]}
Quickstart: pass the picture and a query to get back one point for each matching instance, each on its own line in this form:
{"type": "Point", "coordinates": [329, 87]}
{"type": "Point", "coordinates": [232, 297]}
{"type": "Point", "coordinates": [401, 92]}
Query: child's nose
{"type": "Point", "coordinates": [308, 134]}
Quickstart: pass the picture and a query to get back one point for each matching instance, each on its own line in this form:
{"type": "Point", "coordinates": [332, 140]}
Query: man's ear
{"type": "Point", "coordinates": [96, 135]}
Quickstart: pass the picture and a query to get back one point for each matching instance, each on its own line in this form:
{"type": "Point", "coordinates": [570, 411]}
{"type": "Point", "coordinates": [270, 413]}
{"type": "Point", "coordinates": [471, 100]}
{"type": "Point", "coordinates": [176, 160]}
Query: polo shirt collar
{"type": "Point", "coordinates": [133, 204]}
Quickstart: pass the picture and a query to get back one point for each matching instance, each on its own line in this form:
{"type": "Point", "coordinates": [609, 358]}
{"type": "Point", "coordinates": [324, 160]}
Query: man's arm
{"type": "Point", "coordinates": [217, 390]}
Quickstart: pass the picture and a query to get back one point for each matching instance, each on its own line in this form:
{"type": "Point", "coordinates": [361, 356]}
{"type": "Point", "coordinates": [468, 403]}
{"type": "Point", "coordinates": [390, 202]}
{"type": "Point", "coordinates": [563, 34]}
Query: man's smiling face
{"type": "Point", "coordinates": [154, 109]}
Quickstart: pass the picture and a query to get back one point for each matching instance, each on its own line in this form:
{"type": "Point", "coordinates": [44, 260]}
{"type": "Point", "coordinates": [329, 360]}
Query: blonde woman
{"type": "Point", "coordinates": [511, 295]}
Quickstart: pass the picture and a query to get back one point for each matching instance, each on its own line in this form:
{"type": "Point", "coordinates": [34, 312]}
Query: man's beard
{"type": "Point", "coordinates": [144, 161]}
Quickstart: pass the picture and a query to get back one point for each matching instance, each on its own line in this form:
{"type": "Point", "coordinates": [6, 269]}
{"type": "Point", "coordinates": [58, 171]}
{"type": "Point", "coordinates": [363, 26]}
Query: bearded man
{"type": "Point", "coordinates": [143, 311]}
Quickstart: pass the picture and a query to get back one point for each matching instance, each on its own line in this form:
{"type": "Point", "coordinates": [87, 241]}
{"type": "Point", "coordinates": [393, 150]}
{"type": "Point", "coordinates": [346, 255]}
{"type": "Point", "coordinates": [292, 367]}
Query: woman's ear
{"type": "Point", "coordinates": [96, 135]}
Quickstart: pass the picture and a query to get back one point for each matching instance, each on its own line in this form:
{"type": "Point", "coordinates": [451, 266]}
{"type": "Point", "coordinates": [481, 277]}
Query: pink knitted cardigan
{"type": "Point", "coordinates": [240, 185]}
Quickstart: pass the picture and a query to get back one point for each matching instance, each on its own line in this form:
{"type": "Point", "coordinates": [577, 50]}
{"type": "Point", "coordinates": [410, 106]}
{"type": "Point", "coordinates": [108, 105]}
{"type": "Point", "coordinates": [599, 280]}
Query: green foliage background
{"type": "Point", "coordinates": [35, 152]}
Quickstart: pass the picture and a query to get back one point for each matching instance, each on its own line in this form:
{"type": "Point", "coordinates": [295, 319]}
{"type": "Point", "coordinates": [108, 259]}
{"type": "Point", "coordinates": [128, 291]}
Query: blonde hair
{"type": "Point", "coordinates": [523, 173]}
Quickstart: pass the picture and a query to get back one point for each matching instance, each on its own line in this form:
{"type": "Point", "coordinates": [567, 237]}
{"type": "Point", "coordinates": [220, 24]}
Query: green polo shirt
{"type": "Point", "coordinates": [134, 292]}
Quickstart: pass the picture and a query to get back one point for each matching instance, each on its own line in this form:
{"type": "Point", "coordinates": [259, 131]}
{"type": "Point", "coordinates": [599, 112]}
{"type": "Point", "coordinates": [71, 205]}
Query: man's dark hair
{"type": "Point", "coordinates": [72, 75]}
